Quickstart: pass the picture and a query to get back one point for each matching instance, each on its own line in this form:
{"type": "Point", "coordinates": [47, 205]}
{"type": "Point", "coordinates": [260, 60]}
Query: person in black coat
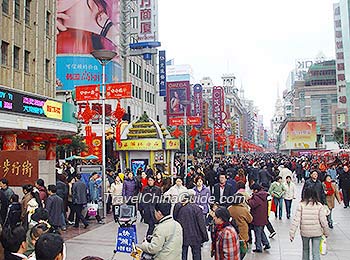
{"type": "Point", "coordinates": [210, 177]}
{"type": "Point", "coordinates": [150, 194]}
{"type": "Point", "coordinates": [79, 199]}
{"type": "Point", "coordinates": [55, 207]}
{"type": "Point", "coordinates": [344, 185]}
{"type": "Point", "coordinates": [13, 216]}
{"type": "Point", "coordinates": [223, 190]}
{"type": "Point", "coordinates": [317, 185]}
{"type": "Point", "coordinates": [3, 207]}
{"type": "Point", "coordinates": [191, 218]}
{"type": "Point", "coordinates": [14, 243]}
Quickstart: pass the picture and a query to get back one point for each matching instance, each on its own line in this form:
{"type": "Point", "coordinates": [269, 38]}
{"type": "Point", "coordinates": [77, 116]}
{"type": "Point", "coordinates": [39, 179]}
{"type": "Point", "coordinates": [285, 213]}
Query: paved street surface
{"type": "Point", "coordinates": [100, 241]}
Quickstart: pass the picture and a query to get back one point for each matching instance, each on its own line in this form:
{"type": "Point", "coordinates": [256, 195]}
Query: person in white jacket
{"type": "Point", "coordinates": [284, 172]}
{"type": "Point", "coordinates": [289, 194]}
{"type": "Point", "coordinates": [176, 191]}
{"type": "Point", "coordinates": [311, 217]}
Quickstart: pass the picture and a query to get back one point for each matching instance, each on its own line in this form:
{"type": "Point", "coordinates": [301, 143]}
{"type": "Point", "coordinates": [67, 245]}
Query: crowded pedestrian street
{"type": "Point", "coordinates": [101, 241]}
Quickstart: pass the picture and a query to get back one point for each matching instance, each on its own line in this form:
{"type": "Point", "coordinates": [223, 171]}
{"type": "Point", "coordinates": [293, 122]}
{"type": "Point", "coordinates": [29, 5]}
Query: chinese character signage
{"type": "Point", "coordinates": [218, 106]}
{"type": "Point", "coordinates": [172, 144]}
{"type": "Point", "coordinates": [177, 92]}
{"type": "Point", "coordinates": [118, 90]}
{"type": "Point", "coordinates": [340, 62]}
{"type": "Point", "coordinates": [126, 236]}
{"type": "Point", "coordinates": [147, 21]}
{"type": "Point", "coordinates": [162, 74]}
{"type": "Point", "coordinates": [90, 92]}
{"type": "Point", "coordinates": [20, 167]}
{"type": "Point", "coordinates": [11, 101]}
{"type": "Point", "coordinates": [198, 102]}
{"type": "Point", "coordinates": [176, 121]}
{"type": "Point", "coordinates": [141, 145]}
{"type": "Point", "coordinates": [194, 120]}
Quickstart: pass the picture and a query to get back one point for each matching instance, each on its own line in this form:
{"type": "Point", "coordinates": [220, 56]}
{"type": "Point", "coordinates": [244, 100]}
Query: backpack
{"type": "Point", "coordinates": [13, 216]}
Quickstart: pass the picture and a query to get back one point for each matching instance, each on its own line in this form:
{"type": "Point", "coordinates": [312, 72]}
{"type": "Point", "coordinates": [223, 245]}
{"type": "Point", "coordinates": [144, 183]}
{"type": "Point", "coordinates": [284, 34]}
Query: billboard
{"type": "Point", "coordinates": [299, 135]}
{"type": "Point", "coordinates": [176, 93]}
{"type": "Point", "coordinates": [147, 21]}
{"type": "Point", "coordinates": [198, 102]}
{"type": "Point", "coordinates": [218, 107]}
{"type": "Point", "coordinates": [162, 73]}
{"type": "Point", "coordinates": [84, 26]}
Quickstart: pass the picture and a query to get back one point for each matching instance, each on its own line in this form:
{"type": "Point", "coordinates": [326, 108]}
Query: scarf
{"type": "Point", "coordinates": [329, 188]}
{"type": "Point", "coordinates": [215, 233]}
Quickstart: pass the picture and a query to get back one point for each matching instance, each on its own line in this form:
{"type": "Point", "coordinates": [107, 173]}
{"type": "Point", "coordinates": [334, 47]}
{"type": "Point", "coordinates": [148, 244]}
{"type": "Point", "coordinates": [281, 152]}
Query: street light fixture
{"type": "Point", "coordinates": [104, 57]}
{"type": "Point", "coordinates": [185, 103]}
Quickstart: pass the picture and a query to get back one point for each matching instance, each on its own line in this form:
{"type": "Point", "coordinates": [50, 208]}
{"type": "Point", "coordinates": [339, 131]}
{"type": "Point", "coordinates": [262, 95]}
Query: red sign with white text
{"type": "Point", "coordinates": [219, 131]}
{"type": "Point", "coordinates": [206, 131]}
{"type": "Point", "coordinates": [118, 90]}
{"type": "Point", "coordinates": [176, 121]}
{"type": "Point", "coordinates": [87, 92]}
{"type": "Point", "coordinates": [194, 120]}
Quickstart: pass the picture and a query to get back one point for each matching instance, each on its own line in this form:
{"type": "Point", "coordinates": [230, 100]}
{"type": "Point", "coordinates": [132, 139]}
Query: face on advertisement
{"type": "Point", "coordinates": [96, 16]}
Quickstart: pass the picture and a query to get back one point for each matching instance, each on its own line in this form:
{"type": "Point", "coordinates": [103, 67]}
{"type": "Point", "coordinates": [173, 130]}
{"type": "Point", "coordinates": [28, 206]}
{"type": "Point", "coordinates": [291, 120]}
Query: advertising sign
{"type": "Point", "coordinates": [84, 26]}
{"type": "Point", "coordinates": [340, 63]}
{"type": "Point", "coordinates": [299, 135]}
{"type": "Point", "coordinates": [20, 167]}
{"type": "Point", "coordinates": [194, 120]}
{"type": "Point", "coordinates": [176, 93]}
{"type": "Point", "coordinates": [83, 70]}
{"type": "Point", "coordinates": [162, 74]}
{"type": "Point", "coordinates": [198, 102]}
{"type": "Point", "coordinates": [206, 131]}
{"type": "Point", "coordinates": [126, 236]}
{"type": "Point", "coordinates": [118, 90]}
{"type": "Point", "coordinates": [140, 145]}
{"type": "Point", "coordinates": [147, 21]}
{"type": "Point", "coordinates": [218, 106]}
{"type": "Point", "coordinates": [176, 121]}
{"type": "Point", "coordinates": [90, 92]}
{"type": "Point", "coordinates": [26, 104]}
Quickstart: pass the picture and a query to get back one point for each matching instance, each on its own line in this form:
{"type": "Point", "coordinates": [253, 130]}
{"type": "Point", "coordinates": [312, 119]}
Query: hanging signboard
{"type": "Point", "coordinates": [118, 90]}
{"type": "Point", "coordinates": [87, 92]}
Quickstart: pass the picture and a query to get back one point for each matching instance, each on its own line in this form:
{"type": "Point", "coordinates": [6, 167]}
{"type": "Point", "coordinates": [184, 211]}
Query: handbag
{"type": "Point", "coordinates": [323, 245]}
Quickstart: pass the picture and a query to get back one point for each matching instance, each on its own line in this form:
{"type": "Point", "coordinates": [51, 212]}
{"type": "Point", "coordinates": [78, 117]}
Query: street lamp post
{"type": "Point", "coordinates": [185, 103]}
{"type": "Point", "coordinates": [104, 57]}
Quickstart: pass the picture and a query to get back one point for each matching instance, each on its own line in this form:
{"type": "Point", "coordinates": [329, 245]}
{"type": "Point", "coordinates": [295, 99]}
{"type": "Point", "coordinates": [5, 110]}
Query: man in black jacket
{"type": "Point", "coordinates": [150, 195]}
{"type": "Point", "coordinates": [14, 243]}
{"type": "Point", "coordinates": [317, 185]}
{"type": "Point", "coordinates": [223, 191]}
{"type": "Point", "coordinates": [191, 218]}
{"type": "Point", "coordinates": [344, 184]}
{"type": "Point", "coordinates": [79, 197]}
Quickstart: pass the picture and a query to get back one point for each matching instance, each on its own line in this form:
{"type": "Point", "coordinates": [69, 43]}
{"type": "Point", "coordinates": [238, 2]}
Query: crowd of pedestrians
{"type": "Point", "coordinates": [227, 201]}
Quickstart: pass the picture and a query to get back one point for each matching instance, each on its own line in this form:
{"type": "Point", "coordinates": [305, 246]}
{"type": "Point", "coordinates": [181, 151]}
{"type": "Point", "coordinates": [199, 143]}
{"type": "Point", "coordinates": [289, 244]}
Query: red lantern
{"type": "Point", "coordinates": [37, 139]}
{"type": "Point", "coordinates": [66, 141]}
{"type": "Point", "coordinates": [193, 133]}
{"type": "Point", "coordinates": [53, 140]}
{"type": "Point", "coordinates": [118, 116]}
{"type": "Point", "coordinates": [177, 132]}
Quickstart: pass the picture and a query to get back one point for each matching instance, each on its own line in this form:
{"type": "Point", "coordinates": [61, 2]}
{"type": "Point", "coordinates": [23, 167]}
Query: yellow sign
{"type": "Point", "coordinates": [53, 109]}
{"type": "Point", "coordinates": [141, 145]}
{"type": "Point", "coordinates": [172, 144]}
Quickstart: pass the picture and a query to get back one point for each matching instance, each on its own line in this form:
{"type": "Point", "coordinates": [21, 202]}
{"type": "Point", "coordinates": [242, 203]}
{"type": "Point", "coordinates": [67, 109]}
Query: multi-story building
{"type": "Point", "coordinates": [30, 116]}
{"type": "Point", "coordinates": [277, 120]}
{"type": "Point", "coordinates": [317, 96]}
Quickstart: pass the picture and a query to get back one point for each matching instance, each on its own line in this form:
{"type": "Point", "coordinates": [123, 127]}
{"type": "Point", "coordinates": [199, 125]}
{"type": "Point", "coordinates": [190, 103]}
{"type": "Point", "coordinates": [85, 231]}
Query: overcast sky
{"type": "Point", "coordinates": [257, 40]}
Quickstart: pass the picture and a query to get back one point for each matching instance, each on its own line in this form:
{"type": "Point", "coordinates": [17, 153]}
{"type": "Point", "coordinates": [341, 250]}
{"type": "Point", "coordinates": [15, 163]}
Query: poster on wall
{"type": "Point", "coordinates": [300, 135]}
{"type": "Point", "coordinates": [84, 26]}
{"type": "Point", "coordinates": [177, 92]}
{"type": "Point", "coordinates": [138, 165]}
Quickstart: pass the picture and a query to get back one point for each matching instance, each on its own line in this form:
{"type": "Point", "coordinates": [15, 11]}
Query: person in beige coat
{"type": "Point", "coordinates": [167, 238]}
{"type": "Point", "coordinates": [311, 217]}
{"type": "Point", "coordinates": [332, 193]}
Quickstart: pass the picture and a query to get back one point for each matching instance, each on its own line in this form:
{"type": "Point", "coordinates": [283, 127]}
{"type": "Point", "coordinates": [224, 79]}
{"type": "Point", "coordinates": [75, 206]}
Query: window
{"type": "Point", "coordinates": [16, 57]}
{"type": "Point", "coordinates": [4, 53]}
{"type": "Point", "coordinates": [136, 92]}
{"type": "Point", "coordinates": [17, 9]}
{"type": "Point", "coordinates": [129, 66]}
{"type": "Point", "coordinates": [27, 12]}
{"type": "Point", "coordinates": [140, 93]}
{"type": "Point", "coordinates": [48, 17]}
{"type": "Point", "coordinates": [133, 90]}
{"type": "Point", "coordinates": [5, 6]}
{"type": "Point", "coordinates": [26, 61]}
{"type": "Point", "coordinates": [47, 69]}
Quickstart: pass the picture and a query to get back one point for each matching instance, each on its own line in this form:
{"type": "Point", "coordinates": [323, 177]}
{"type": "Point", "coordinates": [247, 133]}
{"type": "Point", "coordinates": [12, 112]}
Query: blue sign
{"type": "Point", "coordinates": [162, 74]}
{"type": "Point", "coordinates": [83, 70]}
{"type": "Point", "coordinates": [126, 236]}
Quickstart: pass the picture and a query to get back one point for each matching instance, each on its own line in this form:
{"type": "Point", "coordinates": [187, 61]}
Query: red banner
{"type": "Point", "coordinates": [206, 131]}
{"type": "Point", "coordinates": [194, 120]}
{"type": "Point", "coordinates": [219, 131]}
{"type": "Point", "coordinates": [88, 92]}
{"type": "Point", "coordinates": [176, 121]}
{"type": "Point", "coordinates": [118, 90]}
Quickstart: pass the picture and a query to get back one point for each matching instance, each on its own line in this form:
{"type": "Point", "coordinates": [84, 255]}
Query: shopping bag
{"type": "Point", "coordinates": [243, 247]}
{"type": "Point", "coordinates": [273, 205]}
{"type": "Point", "coordinates": [92, 209]}
{"type": "Point", "coordinates": [323, 246]}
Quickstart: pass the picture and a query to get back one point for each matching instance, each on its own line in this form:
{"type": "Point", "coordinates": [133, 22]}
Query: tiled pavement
{"type": "Point", "coordinates": [99, 240]}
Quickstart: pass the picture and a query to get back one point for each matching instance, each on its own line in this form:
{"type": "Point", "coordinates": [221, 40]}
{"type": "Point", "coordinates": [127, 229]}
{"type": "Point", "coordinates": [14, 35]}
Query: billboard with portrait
{"type": "Point", "coordinates": [177, 92]}
{"type": "Point", "coordinates": [84, 26]}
